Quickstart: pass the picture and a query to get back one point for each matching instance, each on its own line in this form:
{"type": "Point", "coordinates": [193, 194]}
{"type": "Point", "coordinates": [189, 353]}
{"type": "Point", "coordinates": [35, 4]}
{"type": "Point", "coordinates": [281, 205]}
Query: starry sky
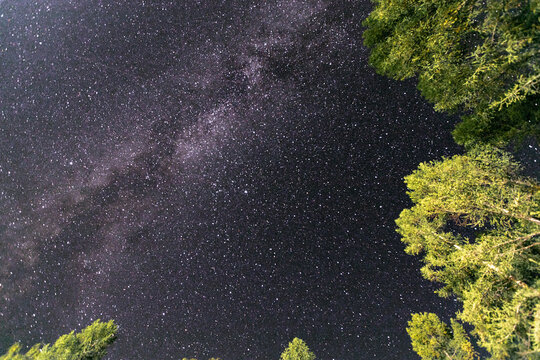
{"type": "Point", "coordinates": [218, 177]}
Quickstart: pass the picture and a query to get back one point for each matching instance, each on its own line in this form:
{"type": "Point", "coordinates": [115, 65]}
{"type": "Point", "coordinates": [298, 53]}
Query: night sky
{"type": "Point", "coordinates": [218, 177]}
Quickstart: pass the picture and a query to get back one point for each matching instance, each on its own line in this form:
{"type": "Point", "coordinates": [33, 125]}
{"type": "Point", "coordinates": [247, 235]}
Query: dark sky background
{"type": "Point", "coordinates": [216, 176]}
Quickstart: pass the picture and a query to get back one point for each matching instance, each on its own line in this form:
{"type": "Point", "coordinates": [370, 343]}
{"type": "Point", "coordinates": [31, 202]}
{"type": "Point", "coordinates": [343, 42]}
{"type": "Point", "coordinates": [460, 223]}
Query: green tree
{"type": "Point", "coordinates": [476, 57]}
{"type": "Point", "coordinates": [477, 222]}
{"type": "Point", "coordinates": [90, 344]}
{"type": "Point", "coordinates": [432, 339]}
{"type": "Point", "coordinates": [297, 350]}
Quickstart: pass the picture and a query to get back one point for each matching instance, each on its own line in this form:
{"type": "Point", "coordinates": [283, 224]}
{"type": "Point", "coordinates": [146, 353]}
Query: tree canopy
{"type": "Point", "coordinates": [297, 350]}
{"type": "Point", "coordinates": [476, 220]}
{"type": "Point", "coordinates": [476, 57]}
{"type": "Point", "coordinates": [90, 344]}
{"type": "Point", "coordinates": [432, 339]}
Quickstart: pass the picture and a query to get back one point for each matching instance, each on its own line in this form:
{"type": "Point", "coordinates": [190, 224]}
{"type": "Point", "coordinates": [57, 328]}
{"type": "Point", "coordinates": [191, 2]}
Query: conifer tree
{"type": "Point", "coordinates": [297, 350]}
{"type": "Point", "coordinates": [432, 339]}
{"type": "Point", "coordinates": [476, 221]}
{"type": "Point", "coordinates": [90, 344]}
{"type": "Point", "coordinates": [478, 57]}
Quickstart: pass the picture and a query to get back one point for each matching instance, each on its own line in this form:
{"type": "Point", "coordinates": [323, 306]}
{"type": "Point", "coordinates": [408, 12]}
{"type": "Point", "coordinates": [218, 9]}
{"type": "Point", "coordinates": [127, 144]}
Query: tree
{"type": "Point", "coordinates": [477, 222]}
{"type": "Point", "coordinates": [90, 344]}
{"type": "Point", "coordinates": [477, 57]}
{"type": "Point", "coordinates": [432, 339]}
{"type": "Point", "coordinates": [297, 350]}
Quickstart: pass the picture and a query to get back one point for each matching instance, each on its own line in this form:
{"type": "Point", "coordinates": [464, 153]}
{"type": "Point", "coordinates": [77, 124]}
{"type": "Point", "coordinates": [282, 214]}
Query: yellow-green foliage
{"type": "Point", "coordinates": [90, 344]}
{"type": "Point", "coordinates": [297, 350]}
{"type": "Point", "coordinates": [479, 57]}
{"type": "Point", "coordinates": [432, 339]}
{"type": "Point", "coordinates": [477, 223]}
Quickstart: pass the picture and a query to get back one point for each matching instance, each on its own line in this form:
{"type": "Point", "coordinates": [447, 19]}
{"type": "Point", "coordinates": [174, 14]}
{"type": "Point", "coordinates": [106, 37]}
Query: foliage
{"type": "Point", "coordinates": [297, 350]}
{"type": "Point", "coordinates": [90, 344]}
{"type": "Point", "coordinates": [476, 220]}
{"type": "Point", "coordinates": [479, 57]}
{"type": "Point", "coordinates": [432, 339]}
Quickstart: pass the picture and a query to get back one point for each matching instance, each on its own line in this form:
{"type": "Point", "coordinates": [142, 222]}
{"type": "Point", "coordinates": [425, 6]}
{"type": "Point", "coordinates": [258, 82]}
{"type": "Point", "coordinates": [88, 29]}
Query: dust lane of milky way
{"type": "Point", "coordinates": [216, 176]}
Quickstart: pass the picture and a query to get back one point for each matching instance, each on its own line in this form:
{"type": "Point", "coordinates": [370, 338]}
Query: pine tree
{"type": "Point", "coordinates": [477, 57]}
{"type": "Point", "coordinates": [90, 344]}
{"type": "Point", "coordinates": [432, 339]}
{"type": "Point", "coordinates": [297, 350]}
{"type": "Point", "coordinates": [477, 223]}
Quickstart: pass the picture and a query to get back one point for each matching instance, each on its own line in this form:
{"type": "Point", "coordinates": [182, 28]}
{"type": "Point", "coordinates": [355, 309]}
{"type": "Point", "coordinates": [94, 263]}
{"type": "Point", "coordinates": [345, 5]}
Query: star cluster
{"type": "Point", "coordinates": [216, 176]}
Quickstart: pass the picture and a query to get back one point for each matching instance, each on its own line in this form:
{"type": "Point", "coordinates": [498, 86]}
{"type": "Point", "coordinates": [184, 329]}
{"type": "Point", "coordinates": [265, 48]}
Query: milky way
{"type": "Point", "coordinates": [216, 176]}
